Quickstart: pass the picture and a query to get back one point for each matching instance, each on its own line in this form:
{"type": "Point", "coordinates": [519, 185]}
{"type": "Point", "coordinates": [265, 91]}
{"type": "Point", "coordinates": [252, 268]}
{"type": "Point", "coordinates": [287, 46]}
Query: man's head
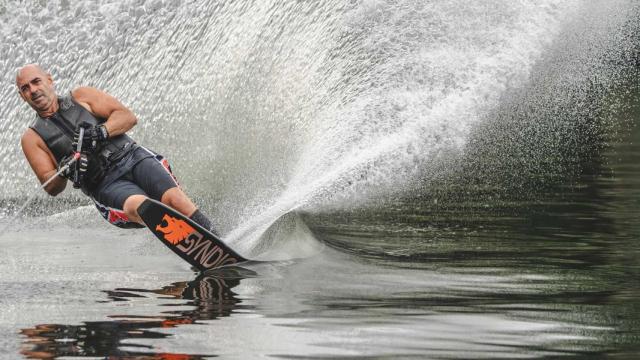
{"type": "Point", "coordinates": [36, 88]}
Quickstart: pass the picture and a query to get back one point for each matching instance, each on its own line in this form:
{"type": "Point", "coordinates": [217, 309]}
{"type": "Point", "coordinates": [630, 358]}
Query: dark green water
{"type": "Point", "coordinates": [571, 249]}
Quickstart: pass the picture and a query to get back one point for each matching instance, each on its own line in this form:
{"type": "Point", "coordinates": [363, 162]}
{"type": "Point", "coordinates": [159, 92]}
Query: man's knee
{"type": "Point", "coordinates": [178, 200]}
{"type": "Point", "coordinates": [131, 205]}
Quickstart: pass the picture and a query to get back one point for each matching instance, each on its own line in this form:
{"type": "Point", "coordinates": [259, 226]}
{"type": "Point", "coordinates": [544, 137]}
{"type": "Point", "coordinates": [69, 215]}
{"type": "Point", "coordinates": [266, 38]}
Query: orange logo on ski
{"type": "Point", "coordinates": [176, 229]}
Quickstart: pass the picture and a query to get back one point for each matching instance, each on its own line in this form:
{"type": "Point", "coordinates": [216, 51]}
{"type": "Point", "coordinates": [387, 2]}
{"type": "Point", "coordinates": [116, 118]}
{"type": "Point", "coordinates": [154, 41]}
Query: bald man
{"type": "Point", "coordinates": [118, 173]}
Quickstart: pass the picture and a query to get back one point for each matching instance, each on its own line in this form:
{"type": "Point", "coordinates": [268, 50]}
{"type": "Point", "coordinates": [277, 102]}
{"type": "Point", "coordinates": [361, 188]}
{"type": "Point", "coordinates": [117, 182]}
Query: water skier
{"type": "Point", "coordinates": [116, 172]}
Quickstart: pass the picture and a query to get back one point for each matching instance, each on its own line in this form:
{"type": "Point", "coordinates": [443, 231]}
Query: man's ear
{"type": "Point", "coordinates": [22, 96]}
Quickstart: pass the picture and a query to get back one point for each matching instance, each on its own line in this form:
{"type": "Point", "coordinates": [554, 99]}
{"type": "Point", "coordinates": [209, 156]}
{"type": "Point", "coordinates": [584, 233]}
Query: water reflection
{"type": "Point", "coordinates": [210, 296]}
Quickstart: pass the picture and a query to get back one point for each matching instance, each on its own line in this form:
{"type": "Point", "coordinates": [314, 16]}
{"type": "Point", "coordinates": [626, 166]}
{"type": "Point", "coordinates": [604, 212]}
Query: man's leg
{"type": "Point", "coordinates": [154, 176]}
{"type": "Point", "coordinates": [177, 199]}
{"type": "Point", "coordinates": [131, 205]}
{"type": "Point", "coordinates": [174, 197]}
{"type": "Point", "coordinates": [118, 202]}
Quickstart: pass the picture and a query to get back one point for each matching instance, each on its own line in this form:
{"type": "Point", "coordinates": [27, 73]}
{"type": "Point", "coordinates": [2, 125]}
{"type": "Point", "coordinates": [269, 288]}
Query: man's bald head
{"type": "Point", "coordinates": [35, 86]}
{"type": "Point", "coordinates": [30, 68]}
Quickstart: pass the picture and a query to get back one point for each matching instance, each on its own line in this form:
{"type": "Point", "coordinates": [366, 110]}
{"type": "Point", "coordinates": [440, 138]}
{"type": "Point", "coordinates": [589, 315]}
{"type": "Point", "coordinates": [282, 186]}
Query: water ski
{"type": "Point", "coordinates": [198, 246]}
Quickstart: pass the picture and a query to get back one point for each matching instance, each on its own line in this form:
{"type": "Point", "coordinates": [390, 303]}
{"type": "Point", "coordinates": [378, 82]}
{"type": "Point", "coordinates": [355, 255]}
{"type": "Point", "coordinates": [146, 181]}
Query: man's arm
{"type": "Point", "coordinates": [42, 162]}
{"type": "Point", "coordinates": [119, 118]}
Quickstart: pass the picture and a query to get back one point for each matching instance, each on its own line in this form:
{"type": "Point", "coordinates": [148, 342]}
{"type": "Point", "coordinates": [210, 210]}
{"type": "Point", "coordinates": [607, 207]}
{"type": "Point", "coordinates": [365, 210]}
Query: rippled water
{"type": "Point", "coordinates": [436, 179]}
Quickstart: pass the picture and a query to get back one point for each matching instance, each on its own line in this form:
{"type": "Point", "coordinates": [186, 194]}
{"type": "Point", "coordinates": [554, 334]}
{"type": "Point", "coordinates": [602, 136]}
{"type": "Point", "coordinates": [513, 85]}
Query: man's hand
{"type": "Point", "coordinates": [119, 119]}
{"type": "Point", "coordinates": [81, 170]}
{"type": "Point", "coordinates": [76, 168]}
{"type": "Point", "coordinates": [93, 138]}
{"type": "Point", "coordinates": [68, 162]}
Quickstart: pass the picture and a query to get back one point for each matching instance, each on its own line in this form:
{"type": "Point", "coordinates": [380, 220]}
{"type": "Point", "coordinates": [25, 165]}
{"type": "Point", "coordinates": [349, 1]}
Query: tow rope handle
{"type": "Point", "coordinates": [76, 156]}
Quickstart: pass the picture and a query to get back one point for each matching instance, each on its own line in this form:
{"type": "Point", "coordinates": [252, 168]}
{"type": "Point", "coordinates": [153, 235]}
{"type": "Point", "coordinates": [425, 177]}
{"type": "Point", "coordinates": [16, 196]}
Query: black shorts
{"type": "Point", "coordinates": [145, 173]}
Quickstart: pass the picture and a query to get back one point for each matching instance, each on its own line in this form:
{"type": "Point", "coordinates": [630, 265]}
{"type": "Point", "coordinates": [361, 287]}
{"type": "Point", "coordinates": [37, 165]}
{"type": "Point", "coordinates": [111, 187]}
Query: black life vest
{"type": "Point", "coordinates": [58, 131]}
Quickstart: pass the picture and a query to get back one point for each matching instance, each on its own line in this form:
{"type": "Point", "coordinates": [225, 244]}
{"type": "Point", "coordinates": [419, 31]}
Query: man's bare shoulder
{"type": "Point", "coordinates": [30, 138]}
{"type": "Point", "coordinates": [84, 92]}
{"type": "Point", "coordinates": [29, 135]}
{"type": "Point", "coordinates": [86, 95]}
{"type": "Point", "coordinates": [98, 102]}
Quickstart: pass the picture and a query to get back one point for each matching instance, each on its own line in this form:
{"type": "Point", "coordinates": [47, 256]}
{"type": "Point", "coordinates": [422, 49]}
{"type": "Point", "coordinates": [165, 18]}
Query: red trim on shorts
{"type": "Point", "coordinates": [117, 217]}
{"type": "Point", "coordinates": [165, 164]}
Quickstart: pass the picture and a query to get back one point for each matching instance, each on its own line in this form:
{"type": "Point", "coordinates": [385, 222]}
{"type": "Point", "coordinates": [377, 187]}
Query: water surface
{"type": "Point", "coordinates": [433, 179]}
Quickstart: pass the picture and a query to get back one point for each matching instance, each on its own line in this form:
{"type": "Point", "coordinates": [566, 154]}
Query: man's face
{"type": "Point", "coordinates": [36, 88]}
